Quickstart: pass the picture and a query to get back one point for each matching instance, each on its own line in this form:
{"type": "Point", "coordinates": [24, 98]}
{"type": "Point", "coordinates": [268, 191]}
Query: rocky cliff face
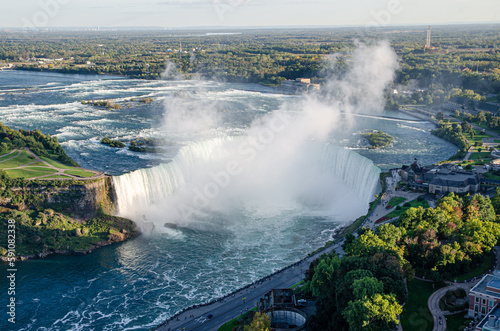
{"type": "Point", "coordinates": [80, 201]}
{"type": "Point", "coordinates": [83, 201]}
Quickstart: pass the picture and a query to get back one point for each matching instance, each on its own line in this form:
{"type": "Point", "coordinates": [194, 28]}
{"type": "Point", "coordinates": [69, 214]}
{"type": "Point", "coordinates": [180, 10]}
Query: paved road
{"type": "Point", "coordinates": [433, 304]}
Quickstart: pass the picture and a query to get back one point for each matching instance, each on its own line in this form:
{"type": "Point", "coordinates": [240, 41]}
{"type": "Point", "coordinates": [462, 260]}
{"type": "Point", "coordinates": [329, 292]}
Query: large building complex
{"type": "Point", "coordinates": [441, 179]}
{"type": "Point", "coordinates": [484, 297]}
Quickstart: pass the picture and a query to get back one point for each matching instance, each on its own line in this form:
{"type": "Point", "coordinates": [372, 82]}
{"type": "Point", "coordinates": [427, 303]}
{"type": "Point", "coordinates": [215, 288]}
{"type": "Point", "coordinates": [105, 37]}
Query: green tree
{"type": "Point", "coordinates": [364, 243]}
{"type": "Point", "coordinates": [260, 322]}
{"type": "Point", "coordinates": [376, 313]}
{"type": "Point", "coordinates": [496, 201]}
{"type": "Point", "coordinates": [457, 113]}
{"type": "Point", "coordinates": [481, 117]}
{"type": "Point", "coordinates": [366, 287]}
{"type": "Point", "coordinates": [440, 116]}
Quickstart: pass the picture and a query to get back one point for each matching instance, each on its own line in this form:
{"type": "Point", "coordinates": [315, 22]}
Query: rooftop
{"type": "Point", "coordinates": [488, 281]}
{"type": "Point", "coordinates": [491, 322]}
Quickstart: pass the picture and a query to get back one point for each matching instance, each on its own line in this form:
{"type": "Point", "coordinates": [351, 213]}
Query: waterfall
{"type": "Point", "coordinates": [198, 178]}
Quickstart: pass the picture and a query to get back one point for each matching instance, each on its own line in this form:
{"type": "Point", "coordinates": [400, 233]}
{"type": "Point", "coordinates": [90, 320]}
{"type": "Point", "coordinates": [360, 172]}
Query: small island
{"type": "Point", "coordinates": [112, 143]}
{"type": "Point", "coordinates": [140, 145]}
{"type": "Point", "coordinates": [378, 139]}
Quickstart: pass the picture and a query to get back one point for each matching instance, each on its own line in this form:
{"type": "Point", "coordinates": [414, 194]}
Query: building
{"type": "Point", "coordinates": [444, 178]}
{"type": "Point", "coordinates": [277, 298]}
{"type": "Point", "coordinates": [279, 305]}
{"type": "Point", "coordinates": [445, 181]}
{"type": "Point", "coordinates": [490, 322]}
{"type": "Point", "coordinates": [484, 297]}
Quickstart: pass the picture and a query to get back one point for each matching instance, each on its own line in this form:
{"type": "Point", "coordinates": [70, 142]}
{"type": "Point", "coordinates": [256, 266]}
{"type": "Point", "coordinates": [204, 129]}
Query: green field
{"type": "Point", "coordinates": [80, 173]}
{"type": "Point", "coordinates": [23, 158]}
{"type": "Point", "coordinates": [30, 172]}
{"type": "Point", "coordinates": [56, 164]}
{"type": "Point", "coordinates": [479, 156]}
{"type": "Point", "coordinates": [477, 135]}
{"type": "Point", "coordinates": [414, 203]}
{"type": "Point", "coordinates": [416, 314]}
{"type": "Point", "coordinates": [5, 157]}
{"type": "Point", "coordinates": [396, 201]}
{"type": "Point", "coordinates": [58, 177]}
{"type": "Point", "coordinates": [491, 176]}
{"type": "Point", "coordinates": [229, 326]}
{"type": "Point", "coordinates": [37, 168]}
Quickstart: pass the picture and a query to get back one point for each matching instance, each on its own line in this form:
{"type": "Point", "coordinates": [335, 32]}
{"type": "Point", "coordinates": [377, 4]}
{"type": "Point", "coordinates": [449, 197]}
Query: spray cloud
{"type": "Point", "coordinates": [280, 162]}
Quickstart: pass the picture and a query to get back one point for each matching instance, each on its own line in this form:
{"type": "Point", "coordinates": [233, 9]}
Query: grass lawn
{"type": "Point", "coordinates": [416, 314]}
{"type": "Point", "coordinates": [487, 264]}
{"type": "Point", "coordinates": [354, 226]}
{"type": "Point", "coordinates": [79, 173]}
{"type": "Point", "coordinates": [477, 156]}
{"type": "Point", "coordinates": [395, 201]}
{"type": "Point", "coordinates": [457, 322]}
{"type": "Point", "coordinates": [23, 158]}
{"type": "Point", "coordinates": [497, 141]}
{"type": "Point", "coordinates": [5, 156]}
{"type": "Point", "coordinates": [299, 283]}
{"type": "Point", "coordinates": [491, 176]}
{"type": "Point", "coordinates": [477, 135]}
{"type": "Point", "coordinates": [57, 164]}
{"type": "Point", "coordinates": [229, 326]}
{"type": "Point", "coordinates": [30, 172]}
{"type": "Point", "coordinates": [414, 203]}
{"type": "Point", "coordinates": [38, 164]}
{"type": "Point", "coordinates": [58, 177]}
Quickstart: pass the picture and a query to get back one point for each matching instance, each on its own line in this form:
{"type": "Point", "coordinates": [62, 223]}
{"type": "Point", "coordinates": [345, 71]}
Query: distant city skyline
{"type": "Point", "coordinates": [241, 13]}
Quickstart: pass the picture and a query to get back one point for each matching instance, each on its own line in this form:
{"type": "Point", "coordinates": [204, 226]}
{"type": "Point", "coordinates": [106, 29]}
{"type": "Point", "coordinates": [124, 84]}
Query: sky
{"type": "Point", "coordinates": [219, 13]}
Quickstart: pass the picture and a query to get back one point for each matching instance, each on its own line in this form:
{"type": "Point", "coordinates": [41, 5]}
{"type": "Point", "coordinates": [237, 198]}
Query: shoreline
{"type": "Point", "coordinates": [70, 252]}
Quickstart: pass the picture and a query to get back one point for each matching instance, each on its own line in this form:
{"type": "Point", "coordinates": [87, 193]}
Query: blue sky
{"type": "Point", "coordinates": [189, 13]}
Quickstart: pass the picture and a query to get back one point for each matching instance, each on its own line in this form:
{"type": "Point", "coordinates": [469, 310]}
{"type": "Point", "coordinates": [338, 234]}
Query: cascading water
{"type": "Point", "coordinates": [320, 179]}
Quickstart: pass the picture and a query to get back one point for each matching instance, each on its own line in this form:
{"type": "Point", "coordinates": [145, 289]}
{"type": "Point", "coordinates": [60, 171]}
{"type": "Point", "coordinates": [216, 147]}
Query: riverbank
{"type": "Point", "coordinates": [75, 242]}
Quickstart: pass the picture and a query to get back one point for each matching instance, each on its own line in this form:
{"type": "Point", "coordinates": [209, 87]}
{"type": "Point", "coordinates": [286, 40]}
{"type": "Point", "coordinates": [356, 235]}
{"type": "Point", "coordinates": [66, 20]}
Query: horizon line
{"type": "Point", "coordinates": [243, 27]}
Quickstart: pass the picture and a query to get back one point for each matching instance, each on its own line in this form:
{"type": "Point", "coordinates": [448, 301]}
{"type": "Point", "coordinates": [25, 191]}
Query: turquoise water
{"type": "Point", "coordinates": [137, 284]}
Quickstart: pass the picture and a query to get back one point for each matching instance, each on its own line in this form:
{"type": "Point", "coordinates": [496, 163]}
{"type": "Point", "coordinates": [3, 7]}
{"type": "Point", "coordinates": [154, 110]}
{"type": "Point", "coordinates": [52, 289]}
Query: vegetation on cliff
{"type": "Point", "coordinates": [378, 139]}
{"type": "Point", "coordinates": [54, 216]}
{"type": "Point", "coordinates": [40, 233]}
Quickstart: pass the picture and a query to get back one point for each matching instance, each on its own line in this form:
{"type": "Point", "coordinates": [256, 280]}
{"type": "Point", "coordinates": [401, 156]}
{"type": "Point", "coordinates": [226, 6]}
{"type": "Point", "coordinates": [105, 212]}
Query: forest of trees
{"type": "Point", "coordinates": [465, 62]}
{"type": "Point", "coordinates": [365, 289]}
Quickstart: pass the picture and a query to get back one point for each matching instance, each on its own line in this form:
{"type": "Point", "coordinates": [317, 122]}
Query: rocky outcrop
{"type": "Point", "coordinates": [81, 201]}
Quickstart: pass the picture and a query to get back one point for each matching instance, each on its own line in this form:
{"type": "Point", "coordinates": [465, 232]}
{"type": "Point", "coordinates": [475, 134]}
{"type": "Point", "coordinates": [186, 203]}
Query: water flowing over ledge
{"type": "Point", "coordinates": [197, 179]}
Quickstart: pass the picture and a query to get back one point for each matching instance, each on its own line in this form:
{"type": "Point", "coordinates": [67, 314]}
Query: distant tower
{"type": "Point", "coordinates": [180, 51]}
{"type": "Point", "coordinates": [428, 44]}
